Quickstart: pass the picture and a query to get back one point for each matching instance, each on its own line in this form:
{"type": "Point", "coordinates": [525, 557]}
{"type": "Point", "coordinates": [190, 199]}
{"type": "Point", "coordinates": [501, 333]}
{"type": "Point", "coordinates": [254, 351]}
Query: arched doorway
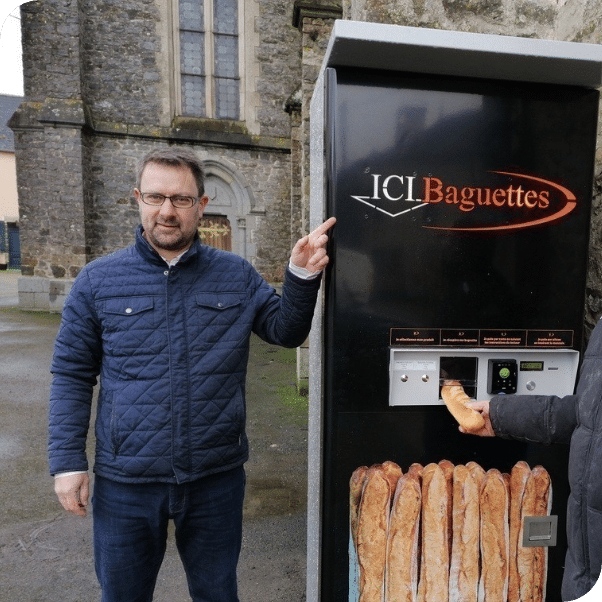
{"type": "Point", "coordinates": [229, 217]}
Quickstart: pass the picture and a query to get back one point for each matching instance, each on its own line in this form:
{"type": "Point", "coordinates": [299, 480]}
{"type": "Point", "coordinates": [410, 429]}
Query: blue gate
{"type": "Point", "coordinates": [14, 247]}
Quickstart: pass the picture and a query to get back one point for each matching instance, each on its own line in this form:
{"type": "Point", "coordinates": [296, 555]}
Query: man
{"type": "Point", "coordinates": [575, 420]}
{"type": "Point", "coordinates": [166, 324]}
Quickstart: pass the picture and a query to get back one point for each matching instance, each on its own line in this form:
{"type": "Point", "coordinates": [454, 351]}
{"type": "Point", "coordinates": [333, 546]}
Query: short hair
{"type": "Point", "coordinates": [176, 157]}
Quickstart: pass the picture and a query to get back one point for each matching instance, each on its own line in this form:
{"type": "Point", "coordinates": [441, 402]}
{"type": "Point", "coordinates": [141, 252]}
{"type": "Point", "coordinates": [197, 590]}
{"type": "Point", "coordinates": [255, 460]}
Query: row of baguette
{"type": "Point", "coordinates": [445, 533]}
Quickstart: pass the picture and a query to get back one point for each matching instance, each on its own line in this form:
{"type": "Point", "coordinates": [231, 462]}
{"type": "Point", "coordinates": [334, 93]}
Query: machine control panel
{"type": "Point", "coordinates": [417, 374]}
{"type": "Point", "coordinates": [502, 376]}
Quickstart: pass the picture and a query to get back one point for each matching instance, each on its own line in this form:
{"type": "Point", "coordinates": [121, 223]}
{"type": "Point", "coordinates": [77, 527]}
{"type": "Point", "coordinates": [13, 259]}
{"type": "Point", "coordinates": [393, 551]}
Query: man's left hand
{"type": "Point", "coordinates": [310, 251]}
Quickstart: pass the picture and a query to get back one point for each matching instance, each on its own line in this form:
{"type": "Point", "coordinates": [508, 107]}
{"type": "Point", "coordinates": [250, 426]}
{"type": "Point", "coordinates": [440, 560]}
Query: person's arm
{"type": "Point", "coordinates": [75, 367]}
{"type": "Point", "coordinates": [529, 418]}
{"type": "Point", "coordinates": [287, 320]}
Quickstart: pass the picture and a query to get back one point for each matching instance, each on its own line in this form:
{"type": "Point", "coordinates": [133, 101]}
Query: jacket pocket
{"type": "Point", "coordinates": [114, 434]}
{"type": "Point", "coordinates": [220, 302]}
{"type": "Point", "coordinates": [215, 314]}
{"type": "Point", "coordinates": [130, 325]}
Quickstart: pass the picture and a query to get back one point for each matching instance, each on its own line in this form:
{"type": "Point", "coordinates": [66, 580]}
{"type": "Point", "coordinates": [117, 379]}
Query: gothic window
{"type": "Point", "coordinates": [209, 58]}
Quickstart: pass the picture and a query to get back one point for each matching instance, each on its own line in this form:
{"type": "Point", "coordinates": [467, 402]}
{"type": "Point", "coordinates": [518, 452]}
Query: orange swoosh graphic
{"type": "Point", "coordinates": [570, 205]}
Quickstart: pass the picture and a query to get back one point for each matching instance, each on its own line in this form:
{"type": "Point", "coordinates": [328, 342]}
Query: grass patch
{"type": "Point", "coordinates": [297, 404]}
{"type": "Point", "coordinates": [41, 317]}
{"type": "Point", "coordinates": [293, 400]}
{"type": "Point", "coordinates": [285, 356]}
{"type": "Point", "coordinates": [283, 379]}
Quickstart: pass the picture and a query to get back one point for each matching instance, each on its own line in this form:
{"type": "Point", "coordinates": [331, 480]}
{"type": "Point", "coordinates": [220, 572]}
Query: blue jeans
{"type": "Point", "coordinates": [130, 532]}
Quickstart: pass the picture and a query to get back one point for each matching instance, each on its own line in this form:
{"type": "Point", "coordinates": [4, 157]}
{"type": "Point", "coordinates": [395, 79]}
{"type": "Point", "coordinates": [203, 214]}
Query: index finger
{"type": "Point", "coordinates": [324, 227]}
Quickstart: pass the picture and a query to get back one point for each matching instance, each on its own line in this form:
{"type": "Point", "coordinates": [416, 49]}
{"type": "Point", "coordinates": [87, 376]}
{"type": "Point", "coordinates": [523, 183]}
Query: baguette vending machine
{"type": "Point", "coordinates": [460, 169]}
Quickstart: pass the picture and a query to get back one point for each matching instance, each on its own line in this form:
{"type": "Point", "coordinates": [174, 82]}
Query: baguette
{"type": "Point", "coordinates": [456, 399]}
{"type": "Point", "coordinates": [464, 563]}
{"type": "Point", "coordinates": [532, 562]}
{"type": "Point", "coordinates": [416, 469]}
{"type": "Point", "coordinates": [518, 479]}
{"type": "Point", "coordinates": [356, 484]}
{"type": "Point", "coordinates": [392, 473]}
{"type": "Point", "coordinates": [434, 564]}
{"type": "Point", "coordinates": [401, 577]}
{"type": "Point", "coordinates": [372, 534]}
{"type": "Point", "coordinates": [477, 472]}
{"type": "Point", "coordinates": [448, 471]}
{"type": "Point", "coordinates": [493, 583]}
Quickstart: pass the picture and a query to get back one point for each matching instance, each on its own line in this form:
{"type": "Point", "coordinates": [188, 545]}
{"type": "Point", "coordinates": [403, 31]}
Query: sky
{"type": "Point", "coordinates": [11, 69]}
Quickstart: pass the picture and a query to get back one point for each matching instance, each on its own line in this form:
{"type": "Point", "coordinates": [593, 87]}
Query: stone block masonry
{"type": "Point", "coordinates": [43, 294]}
{"type": "Point", "coordinates": [100, 92]}
{"type": "Point", "coordinates": [99, 86]}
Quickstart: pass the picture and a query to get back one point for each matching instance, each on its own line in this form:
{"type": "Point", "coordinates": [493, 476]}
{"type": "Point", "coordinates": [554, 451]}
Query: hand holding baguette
{"type": "Point", "coordinates": [482, 407]}
{"type": "Point", "coordinates": [458, 403]}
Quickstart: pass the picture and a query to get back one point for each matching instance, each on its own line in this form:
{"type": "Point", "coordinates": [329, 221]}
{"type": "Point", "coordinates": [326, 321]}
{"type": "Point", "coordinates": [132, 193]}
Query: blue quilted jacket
{"type": "Point", "coordinates": [575, 419]}
{"type": "Point", "coordinates": [170, 346]}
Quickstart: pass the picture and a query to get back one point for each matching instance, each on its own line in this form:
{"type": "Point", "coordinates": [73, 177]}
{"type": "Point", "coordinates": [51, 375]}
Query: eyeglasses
{"type": "Point", "coordinates": [156, 200]}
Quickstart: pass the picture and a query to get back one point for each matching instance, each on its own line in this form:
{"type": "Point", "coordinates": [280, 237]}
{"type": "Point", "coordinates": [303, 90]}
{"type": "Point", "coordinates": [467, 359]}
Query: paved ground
{"type": "Point", "coordinates": [45, 555]}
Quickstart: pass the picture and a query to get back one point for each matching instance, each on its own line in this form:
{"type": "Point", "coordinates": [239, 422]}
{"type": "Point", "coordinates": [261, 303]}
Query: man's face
{"type": "Point", "coordinates": [168, 229]}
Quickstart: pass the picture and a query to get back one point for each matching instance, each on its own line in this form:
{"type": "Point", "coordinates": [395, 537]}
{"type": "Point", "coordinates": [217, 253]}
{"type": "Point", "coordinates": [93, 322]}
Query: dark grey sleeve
{"type": "Point", "coordinates": [534, 418]}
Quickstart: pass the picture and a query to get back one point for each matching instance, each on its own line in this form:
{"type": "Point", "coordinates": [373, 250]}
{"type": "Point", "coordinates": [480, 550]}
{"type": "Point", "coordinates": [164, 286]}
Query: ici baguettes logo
{"type": "Point", "coordinates": [524, 201]}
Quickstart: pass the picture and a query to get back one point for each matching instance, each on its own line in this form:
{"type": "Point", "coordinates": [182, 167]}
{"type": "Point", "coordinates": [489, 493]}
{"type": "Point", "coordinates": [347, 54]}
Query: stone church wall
{"type": "Point", "coordinates": [99, 95]}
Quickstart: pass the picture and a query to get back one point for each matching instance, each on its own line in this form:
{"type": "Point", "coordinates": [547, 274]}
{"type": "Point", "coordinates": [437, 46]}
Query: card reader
{"type": "Point", "coordinates": [502, 377]}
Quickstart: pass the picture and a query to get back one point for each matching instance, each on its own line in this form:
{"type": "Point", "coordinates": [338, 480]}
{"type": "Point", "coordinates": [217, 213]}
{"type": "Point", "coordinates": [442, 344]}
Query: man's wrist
{"type": "Point", "coordinates": [69, 473]}
{"type": "Point", "coordinates": [302, 272]}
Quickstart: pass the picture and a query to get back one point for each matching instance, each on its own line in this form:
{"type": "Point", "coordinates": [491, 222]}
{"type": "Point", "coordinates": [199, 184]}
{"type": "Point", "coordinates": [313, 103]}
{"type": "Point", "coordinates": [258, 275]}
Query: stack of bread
{"type": "Point", "coordinates": [447, 533]}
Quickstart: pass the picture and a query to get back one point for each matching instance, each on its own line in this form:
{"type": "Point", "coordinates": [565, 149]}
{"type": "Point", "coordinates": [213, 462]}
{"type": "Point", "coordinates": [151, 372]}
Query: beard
{"type": "Point", "coordinates": [173, 240]}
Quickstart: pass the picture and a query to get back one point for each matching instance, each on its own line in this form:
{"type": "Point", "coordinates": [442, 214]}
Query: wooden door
{"type": "Point", "coordinates": [215, 231]}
